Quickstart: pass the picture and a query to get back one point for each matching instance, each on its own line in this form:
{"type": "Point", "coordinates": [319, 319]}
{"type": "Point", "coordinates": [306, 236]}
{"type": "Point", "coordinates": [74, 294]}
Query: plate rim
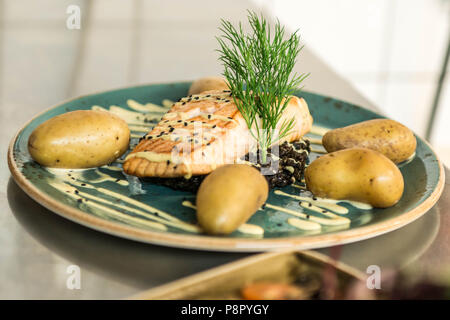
{"type": "Point", "coordinates": [211, 243]}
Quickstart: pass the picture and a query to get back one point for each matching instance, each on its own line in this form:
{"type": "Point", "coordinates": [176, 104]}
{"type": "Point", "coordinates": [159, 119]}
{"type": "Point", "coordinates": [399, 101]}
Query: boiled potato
{"type": "Point", "coordinates": [356, 174]}
{"type": "Point", "coordinates": [388, 137]}
{"type": "Point", "coordinates": [79, 139]}
{"type": "Point", "coordinates": [229, 196]}
{"type": "Point", "coordinates": [208, 83]}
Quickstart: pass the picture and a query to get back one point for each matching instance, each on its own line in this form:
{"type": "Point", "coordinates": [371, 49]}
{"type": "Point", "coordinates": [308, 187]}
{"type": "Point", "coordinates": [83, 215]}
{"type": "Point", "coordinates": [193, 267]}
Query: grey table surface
{"type": "Point", "coordinates": [44, 63]}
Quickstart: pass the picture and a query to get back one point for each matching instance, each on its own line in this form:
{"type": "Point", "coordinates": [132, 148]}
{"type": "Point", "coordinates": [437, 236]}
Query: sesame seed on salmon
{"type": "Point", "coordinates": [202, 132]}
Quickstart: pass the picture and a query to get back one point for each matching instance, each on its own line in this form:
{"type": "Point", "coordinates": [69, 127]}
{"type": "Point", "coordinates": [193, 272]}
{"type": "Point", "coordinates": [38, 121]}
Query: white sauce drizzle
{"type": "Point", "coordinates": [138, 129]}
{"type": "Point", "coordinates": [113, 194]}
{"type": "Point", "coordinates": [189, 204]}
{"type": "Point", "coordinates": [290, 169]}
{"type": "Point", "coordinates": [251, 229]}
{"type": "Point", "coordinates": [104, 177]}
{"type": "Point", "coordinates": [322, 202]}
{"type": "Point", "coordinates": [318, 130]}
{"type": "Point", "coordinates": [183, 225]}
{"type": "Point", "coordinates": [148, 107]}
{"type": "Point", "coordinates": [244, 228]}
{"type": "Point", "coordinates": [117, 214]}
{"type": "Point", "coordinates": [112, 168]}
{"type": "Point", "coordinates": [75, 194]}
{"type": "Point", "coordinates": [329, 214]}
{"type": "Point", "coordinates": [149, 213]}
{"type": "Point", "coordinates": [298, 186]}
{"type": "Point", "coordinates": [151, 156]}
{"type": "Point", "coordinates": [130, 117]}
{"type": "Point", "coordinates": [167, 103]}
{"type": "Point", "coordinates": [337, 220]}
{"type": "Point", "coordinates": [184, 116]}
{"type": "Point", "coordinates": [303, 224]}
{"type": "Point", "coordinates": [356, 204]}
{"type": "Point", "coordinates": [138, 204]}
{"type": "Point", "coordinates": [314, 140]}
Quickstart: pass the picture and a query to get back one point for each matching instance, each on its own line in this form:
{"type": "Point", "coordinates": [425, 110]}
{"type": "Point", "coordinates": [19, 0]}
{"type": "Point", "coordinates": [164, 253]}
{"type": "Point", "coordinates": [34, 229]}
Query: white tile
{"type": "Point", "coordinates": [370, 87]}
{"type": "Point", "coordinates": [171, 53]}
{"type": "Point", "coordinates": [420, 35]}
{"type": "Point", "coordinates": [346, 34]}
{"type": "Point", "coordinates": [409, 103]}
{"type": "Point", "coordinates": [106, 61]}
{"type": "Point", "coordinates": [169, 11]}
{"type": "Point", "coordinates": [443, 152]}
{"type": "Point", "coordinates": [36, 68]}
{"type": "Point", "coordinates": [441, 129]}
{"type": "Point", "coordinates": [37, 10]}
{"type": "Point", "coordinates": [113, 10]}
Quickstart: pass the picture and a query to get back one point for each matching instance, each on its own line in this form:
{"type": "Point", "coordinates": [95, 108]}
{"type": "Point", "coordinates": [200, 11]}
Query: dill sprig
{"type": "Point", "coordinates": [258, 69]}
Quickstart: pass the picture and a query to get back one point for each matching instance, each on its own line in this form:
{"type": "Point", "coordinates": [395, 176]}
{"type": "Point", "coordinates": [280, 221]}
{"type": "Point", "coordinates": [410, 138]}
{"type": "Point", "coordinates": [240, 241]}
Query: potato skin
{"type": "Point", "coordinates": [386, 136]}
{"type": "Point", "coordinates": [208, 83]}
{"type": "Point", "coordinates": [79, 139]}
{"type": "Point", "coordinates": [356, 174]}
{"type": "Point", "coordinates": [229, 196]}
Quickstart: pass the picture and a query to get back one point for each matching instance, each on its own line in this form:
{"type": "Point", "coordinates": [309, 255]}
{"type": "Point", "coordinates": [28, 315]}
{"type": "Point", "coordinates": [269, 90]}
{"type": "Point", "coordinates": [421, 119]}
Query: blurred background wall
{"type": "Point", "coordinates": [390, 50]}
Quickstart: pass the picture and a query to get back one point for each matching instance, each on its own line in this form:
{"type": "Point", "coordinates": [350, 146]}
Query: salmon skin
{"type": "Point", "coordinates": [202, 132]}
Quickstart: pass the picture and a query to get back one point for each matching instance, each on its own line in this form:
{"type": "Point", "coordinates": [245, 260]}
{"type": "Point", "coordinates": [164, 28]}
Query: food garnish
{"type": "Point", "coordinates": [258, 68]}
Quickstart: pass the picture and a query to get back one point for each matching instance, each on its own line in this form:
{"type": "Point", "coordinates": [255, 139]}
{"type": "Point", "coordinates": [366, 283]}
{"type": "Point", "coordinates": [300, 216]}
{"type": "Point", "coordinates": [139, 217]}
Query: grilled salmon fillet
{"type": "Point", "coordinates": [202, 132]}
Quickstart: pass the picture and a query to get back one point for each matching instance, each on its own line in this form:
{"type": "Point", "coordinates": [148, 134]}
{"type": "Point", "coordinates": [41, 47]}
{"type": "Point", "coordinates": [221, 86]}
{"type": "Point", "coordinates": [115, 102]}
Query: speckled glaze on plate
{"type": "Point", "coordinates": [424, 182]}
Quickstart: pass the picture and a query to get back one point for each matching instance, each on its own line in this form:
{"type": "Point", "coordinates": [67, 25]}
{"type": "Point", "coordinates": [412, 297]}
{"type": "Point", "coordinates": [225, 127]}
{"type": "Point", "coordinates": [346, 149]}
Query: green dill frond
{"type": "Point", "coordinates": [258, 68]}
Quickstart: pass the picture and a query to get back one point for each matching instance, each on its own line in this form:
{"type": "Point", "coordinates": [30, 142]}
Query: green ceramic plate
{"type": "Point", "coordinates": [137, 211]}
